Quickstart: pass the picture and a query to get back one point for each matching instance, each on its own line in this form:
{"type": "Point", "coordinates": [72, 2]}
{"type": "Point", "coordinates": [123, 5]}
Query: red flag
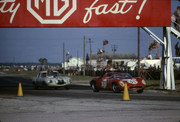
{"type": "Point", "coordinates": [105, 42]}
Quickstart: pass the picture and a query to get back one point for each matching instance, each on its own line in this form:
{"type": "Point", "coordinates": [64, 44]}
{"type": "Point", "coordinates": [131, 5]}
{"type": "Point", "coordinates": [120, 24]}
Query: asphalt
{"type": "Point", "coordinates": [80, 103]}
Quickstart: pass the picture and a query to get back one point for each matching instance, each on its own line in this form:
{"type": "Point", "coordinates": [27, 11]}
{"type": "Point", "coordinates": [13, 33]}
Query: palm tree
{"type": "Point", "coordinates": [43, 61]}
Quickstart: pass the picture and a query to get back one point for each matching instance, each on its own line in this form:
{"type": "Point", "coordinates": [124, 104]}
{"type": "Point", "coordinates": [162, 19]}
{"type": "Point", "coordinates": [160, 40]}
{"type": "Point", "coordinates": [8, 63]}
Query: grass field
{"type": "Point", "coordinates": [32, 74]}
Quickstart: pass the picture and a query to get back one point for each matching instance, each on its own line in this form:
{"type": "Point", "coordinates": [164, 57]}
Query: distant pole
{"type": "Point", "coordinates": [63, 58]}
{"type": "Point", "coordinates": [14, 60]}
{"type": "Point", "coordinates": [114, 48]}
{"type": "Point", "coordinates": [77, 59]}
{"type": "Point", "coordinates": [90, 51]}
{"type": "Point", "coordinates": [84, 71]}
{"type": "Point", "coordinates": [104, 52]}
{"type": "Point", "coordinates": [138, 51]}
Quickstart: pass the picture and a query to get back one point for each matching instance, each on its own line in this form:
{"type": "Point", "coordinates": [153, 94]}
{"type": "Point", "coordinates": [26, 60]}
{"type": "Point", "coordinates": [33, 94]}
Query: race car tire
{"type": "Point", "coordinates": [94, 87]}
{"type": "Point", "coordinates": [56, 88]}
{"type": "Point", "coordinates": [115, 88]}
{"type": "Point", "coordinates": [36, 87]}
{"type": "Point", "coordinates": [67, 87]}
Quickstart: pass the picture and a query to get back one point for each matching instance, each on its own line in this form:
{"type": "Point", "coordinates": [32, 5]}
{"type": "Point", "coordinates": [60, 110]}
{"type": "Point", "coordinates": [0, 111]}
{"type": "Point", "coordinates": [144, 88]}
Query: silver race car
{"type": "Point", "coordinates": [51, 79]}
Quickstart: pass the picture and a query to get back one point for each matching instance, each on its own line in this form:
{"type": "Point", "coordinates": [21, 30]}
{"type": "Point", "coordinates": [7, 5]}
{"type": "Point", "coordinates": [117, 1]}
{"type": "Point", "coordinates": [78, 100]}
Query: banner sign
{"type": "Point", "coordinates": [85, 13]}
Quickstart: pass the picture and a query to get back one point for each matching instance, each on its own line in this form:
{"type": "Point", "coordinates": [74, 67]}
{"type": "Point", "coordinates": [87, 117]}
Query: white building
{"type": "Point", "coordinates": [72, 63]}
{"type": "Point", "coordinates": [117, 58]}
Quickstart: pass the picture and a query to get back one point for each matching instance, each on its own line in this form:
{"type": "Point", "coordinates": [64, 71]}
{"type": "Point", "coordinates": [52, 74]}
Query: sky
{"type": "Point", "coordinates": [20, 45]}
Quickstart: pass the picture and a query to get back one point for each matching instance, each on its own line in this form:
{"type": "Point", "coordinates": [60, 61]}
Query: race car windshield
{"type": "Point", "coordinates": [123, 76]}
{"type": "Point", "coordinates": [51, 73]}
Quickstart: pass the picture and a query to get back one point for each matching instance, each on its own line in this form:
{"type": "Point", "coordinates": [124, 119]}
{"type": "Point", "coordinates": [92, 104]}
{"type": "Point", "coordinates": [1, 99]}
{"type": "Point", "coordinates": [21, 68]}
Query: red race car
{"type": "Point", "coordinates": [116, 81]}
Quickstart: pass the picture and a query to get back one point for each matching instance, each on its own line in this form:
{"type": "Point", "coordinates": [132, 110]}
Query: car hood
{"type": "Point", "coordinates": [59, 77]}
{"type": "Point", "coordinates": [133, 81]}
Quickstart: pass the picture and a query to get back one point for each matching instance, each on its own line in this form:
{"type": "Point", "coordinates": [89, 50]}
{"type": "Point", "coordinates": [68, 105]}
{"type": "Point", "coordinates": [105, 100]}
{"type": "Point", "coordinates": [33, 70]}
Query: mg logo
{"type": "Point", "coordinates": [51, 11]}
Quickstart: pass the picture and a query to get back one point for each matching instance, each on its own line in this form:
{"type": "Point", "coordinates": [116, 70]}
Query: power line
{"type": "Point", "coordinates": [114, 48]}
{"type": "Point", "coordinates": [90, 47]}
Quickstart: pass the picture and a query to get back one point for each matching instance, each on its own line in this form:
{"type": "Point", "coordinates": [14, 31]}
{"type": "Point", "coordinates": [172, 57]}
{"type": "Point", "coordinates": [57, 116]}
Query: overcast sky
{"type": "Point", "coordinates": [30, 44]}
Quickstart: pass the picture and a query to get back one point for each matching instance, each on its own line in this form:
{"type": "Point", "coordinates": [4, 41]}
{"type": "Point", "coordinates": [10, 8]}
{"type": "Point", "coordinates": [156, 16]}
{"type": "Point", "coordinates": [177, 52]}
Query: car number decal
{"type": "Point", "coordinates": [132, 81]}
{"type": "Point", "coordinates": [104, 83]}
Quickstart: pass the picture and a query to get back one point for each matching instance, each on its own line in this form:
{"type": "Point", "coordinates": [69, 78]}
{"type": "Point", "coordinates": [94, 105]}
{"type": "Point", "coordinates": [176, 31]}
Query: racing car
{"type": "Point", "coordinates": [51, 79]}
{"type": "Point", "coordinates": [115, 81]}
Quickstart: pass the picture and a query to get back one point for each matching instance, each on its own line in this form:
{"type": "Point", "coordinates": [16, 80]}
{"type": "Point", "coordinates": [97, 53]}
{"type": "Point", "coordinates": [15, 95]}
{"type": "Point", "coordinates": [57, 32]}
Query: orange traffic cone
{"type": "Point", "coordinates": [126, 93]}
{"type": "Point", "coordinates": [20, 92]}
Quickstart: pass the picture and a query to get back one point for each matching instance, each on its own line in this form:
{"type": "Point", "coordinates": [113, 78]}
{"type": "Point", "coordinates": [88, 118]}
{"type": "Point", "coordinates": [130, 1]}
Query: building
{"type": "Point", "coordinates": [72, 63]}
{"type": "Point", "coordinates": [117, 59]}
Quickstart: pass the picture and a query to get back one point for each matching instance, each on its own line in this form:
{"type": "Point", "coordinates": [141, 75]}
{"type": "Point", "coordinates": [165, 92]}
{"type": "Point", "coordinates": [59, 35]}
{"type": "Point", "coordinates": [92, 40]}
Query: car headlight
{"type": "Point", "coordinates": [49, 81]}
{"type": "Point", "coordinates": [56, 81]}
{"type": "Point", "coordinates": [143, 82]}
{"type": "Point", "coordinates": [121, 83]}
{"type": "Point", "coordinates": [70, 80]}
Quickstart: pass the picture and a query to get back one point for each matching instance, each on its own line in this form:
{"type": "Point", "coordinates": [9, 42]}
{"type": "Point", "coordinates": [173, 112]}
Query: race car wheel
{"type": "Point", "coordinates": [115, 88]}
{"type": "Point", "coordinates": [36, 87]}
{"type": "Point", "coordinates": [66, 87]}
{"type": "Point", "coordinates": [140, 91]}
{"type": "Point", "coordinates": [94, 87]}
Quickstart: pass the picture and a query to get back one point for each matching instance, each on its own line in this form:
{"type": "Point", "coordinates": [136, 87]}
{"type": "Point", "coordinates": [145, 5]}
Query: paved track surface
{"type": "Point", "coordinates": [81, 104]}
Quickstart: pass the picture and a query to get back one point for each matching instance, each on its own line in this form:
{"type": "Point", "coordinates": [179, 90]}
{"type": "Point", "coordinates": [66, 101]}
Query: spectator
{"type": "Point", "coordinates": [176, 18]}
{"type": "Point", "coordinates": [177, 49]}
{"type": "Point", "coordinates": [157, 56]}
{"type": "Point", "coordinates": [149, 56]}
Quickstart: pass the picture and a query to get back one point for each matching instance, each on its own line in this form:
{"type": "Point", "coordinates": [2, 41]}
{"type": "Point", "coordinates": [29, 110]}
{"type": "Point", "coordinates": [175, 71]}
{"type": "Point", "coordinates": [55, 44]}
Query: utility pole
{"type": "Point", "coordinates": [104, 55]}
{"type": "Point", "coordinates": [90, 47]}
{"type": "Point", "coordinates": [14, 60]}
{"type": "Point", "coordinates": [114, 48]}
{"type": "Point", "coordinates": [63, 58]}
{"type": "Point", "coordinates": [77, 59]}
{"type": "Point", "coordinates": [84, 71]}
{"type": "Point", "coordinates": [138, 51]}
{"type": "Point", "coordinates": [90, 51]}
